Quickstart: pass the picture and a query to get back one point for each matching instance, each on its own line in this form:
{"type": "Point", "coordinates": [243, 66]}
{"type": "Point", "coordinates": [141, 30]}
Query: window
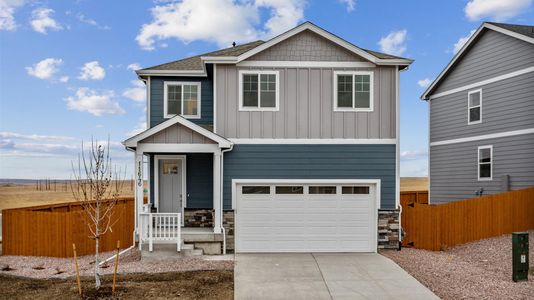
{"type": "Point", "coordinates": [485, 162]}
{"type": "Point", "coordinates": [258, 90]}
{"type": "Point", "coordinates": [182, 98]}
{"type": "Point", "coordinates": [360, 190]}
{"type": "Point", "coordinates": [322, 190]}
{"type": "Point", "coordinates": [353, 91]}
{"type": "Point", "coordinates": [290, 190]}
{"type": "Point", "coordinates": [256, 190]}
{"type": "Point", "coordinates": [474, 113]}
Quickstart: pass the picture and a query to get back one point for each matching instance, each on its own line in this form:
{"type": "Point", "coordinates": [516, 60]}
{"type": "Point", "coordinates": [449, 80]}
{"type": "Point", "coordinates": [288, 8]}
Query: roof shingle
{"type": "Point", "coordinates": [525, 30]}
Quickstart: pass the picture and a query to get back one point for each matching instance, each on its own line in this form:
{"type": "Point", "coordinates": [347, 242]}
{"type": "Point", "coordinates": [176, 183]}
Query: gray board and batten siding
{"type": "Point", "coordinates": [454, 168]}
{"type": "Point", "coordinates": [312, 162]}
{"type": "Point", "coordinates": [507, 105]}
{"type": "Point", "coordinates": [493, 54]}
{"type": "Point", "coordinates": [306, 106]}
{"type": "Point", "coordinates": [206, 95]}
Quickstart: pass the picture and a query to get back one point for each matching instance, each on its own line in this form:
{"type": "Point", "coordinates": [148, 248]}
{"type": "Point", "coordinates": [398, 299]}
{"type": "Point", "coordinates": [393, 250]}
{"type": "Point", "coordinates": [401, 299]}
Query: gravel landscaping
{"type": "Point", "coordinates": [478, 270]}
{"type": "Point", "coordinates": [130, 262]}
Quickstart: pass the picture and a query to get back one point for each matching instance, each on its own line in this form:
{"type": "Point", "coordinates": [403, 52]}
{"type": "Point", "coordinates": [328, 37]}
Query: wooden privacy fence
{"type": "Point", "coordinates": [407, 198]}
{"type": "Point", "coordinates": [436, 227]}
{"type": "Point", "coordinates": [50, 230]}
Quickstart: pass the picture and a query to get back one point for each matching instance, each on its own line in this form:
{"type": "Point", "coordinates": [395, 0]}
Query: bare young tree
{"type": "Point", "coordinates": [96, 185]}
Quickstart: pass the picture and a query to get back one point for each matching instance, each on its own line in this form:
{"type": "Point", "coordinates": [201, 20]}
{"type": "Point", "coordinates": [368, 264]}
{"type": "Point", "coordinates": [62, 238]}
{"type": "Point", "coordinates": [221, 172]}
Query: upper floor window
{"type": "Point", "coordinates": [181, 98]}
{"type": "Point", "coordinates": [485, 162]}
{"type": "Point", "coordinates": [258, 91]}
{"type": "Point", "coordinates": [353, 91]}
{"type": "Point", "coordinates": [474, 107]}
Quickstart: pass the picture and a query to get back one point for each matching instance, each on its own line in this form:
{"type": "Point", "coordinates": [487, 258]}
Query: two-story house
{"type": "Point", "coordinates": [482, 116]}
{"type": "Point", "coordinates": [288, 145]}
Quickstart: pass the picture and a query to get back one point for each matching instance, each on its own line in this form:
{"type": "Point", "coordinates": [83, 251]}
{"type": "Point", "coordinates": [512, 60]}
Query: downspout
{"type": "Point", "coordinates": [222, 197]}
{"type": "Point", "coordinates": [397, 83]}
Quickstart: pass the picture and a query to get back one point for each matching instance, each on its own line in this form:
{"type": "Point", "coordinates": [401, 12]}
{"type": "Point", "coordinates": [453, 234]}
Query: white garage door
{"type": "Point", "coordinates": [305, 217]}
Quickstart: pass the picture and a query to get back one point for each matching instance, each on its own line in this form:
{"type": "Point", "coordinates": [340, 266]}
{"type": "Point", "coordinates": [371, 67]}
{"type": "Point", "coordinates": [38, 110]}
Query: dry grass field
{"type": "Point", "coordinates": [24, 195]}
{"type": "Point", "coordinates": [414, 184]}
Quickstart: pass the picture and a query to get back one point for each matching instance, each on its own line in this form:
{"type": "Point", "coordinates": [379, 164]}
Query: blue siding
{"type": "Point", "coordinates": [312, 162]}
{"type": "Point", "coordinates": [199, 179]}
{"type": "Point", "coordinates": [206, 94]}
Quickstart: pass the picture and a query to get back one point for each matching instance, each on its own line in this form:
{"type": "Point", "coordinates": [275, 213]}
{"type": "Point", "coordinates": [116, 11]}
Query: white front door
{"type": "Point", "coordinates": [304, 217]}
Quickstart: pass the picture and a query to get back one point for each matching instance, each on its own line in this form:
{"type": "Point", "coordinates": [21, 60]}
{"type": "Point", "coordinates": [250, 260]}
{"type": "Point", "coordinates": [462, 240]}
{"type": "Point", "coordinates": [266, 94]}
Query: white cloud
{"type": "Point", "coordinates": [41, 20]}
{"type": "Point", "coordinates": [140, 127]}
{"type": "Point", "coordinates": [137, 93]}
{"type": "Point", "coordinates": [45, 69]}
{"type": "Point", "coordinates": [92, 71]}
{"type": "Point", "coordinates": [413, 154]}
{"type": "Point", "coordinates": [133, 66]}
{"type": "Point", "coordinates": [7, 11]}
{"type": "Point", "coordinates": [93, 102]}
{"type": "Point", "coordinates": [82, 18]}
{"type": "Point", "coordinates": [461, 42]}
{"type": "Point", "coordinates": [498, 10]}
{"type": "Point", "coordinates": [191, 20]}
{"type": "Point", "coordinates": [394, 43]}
{"type": "Point", "coordinates": [414, 163]}
{"type": "Point", "coordinates": [64, 79]}
{"type": "Point", "coordinates": [424, 83]}
{"type": "Point", "coordinates": [349, 3]}
{"type": "Point", "coordinates": [33, 137]}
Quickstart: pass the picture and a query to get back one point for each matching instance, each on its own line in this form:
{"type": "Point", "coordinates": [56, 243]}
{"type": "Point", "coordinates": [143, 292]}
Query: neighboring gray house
{"type": "Point", "coordinates": [482, 116]}
{"type": "Point", "coordinates": [288, 145]}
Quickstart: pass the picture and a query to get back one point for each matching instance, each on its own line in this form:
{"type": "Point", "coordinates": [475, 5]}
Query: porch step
{"type": "Point", "coordinates": [192, 252]}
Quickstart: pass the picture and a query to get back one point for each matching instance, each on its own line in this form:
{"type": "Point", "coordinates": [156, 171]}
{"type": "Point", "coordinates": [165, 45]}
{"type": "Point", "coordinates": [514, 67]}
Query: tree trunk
{"type": "Point", "coordinates": [97, 237]}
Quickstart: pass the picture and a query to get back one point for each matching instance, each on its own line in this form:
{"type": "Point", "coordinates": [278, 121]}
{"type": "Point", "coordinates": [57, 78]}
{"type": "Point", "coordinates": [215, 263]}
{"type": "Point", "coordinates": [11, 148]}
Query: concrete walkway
{"type": "Point", "coordinates": [324, 276]}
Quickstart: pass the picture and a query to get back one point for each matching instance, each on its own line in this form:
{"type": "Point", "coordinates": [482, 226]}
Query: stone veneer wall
{"type": "Point", "coordinates": [388, 228]}
{"type": "Point", "coordinates": [228, 223]}
{"type": "Point", "coordinates": [198, 217]}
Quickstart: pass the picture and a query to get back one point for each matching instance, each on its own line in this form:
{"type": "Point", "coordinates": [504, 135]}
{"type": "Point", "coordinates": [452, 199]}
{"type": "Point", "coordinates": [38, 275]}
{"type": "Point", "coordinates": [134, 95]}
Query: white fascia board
{"type": "Point", "coordinates": [193, 73]}
{"type": "Point", "coordinates": [219, 59]}
{"type": "Point", "coordinates": [315, 29]}
{"type": "Point", "coordinates": [178, 148]}
{"type": "Point", "coordinates": [314, 141]}
{"type": "Point", "coordinates": [510, 33]}
{"type": "Point", "coordinates": [306, 64]}
{"type": "Point", "coordinates": [133, 141]}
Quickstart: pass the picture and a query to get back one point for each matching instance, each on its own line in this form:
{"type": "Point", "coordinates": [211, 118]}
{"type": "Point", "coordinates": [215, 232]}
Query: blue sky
{"type": "Point", "coordinates": [66, 66]}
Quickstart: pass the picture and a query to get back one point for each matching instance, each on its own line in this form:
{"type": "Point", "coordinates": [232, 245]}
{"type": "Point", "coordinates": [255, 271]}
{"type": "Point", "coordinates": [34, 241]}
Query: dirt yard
{"type": "Point", "coordinates": [19, 195]}
{"type": "Point", "coordinates": [478, 270]}
{"type": "Point", "coordinates": [414, 184]}
{"type": "Point", "coordinates": [185, 285]}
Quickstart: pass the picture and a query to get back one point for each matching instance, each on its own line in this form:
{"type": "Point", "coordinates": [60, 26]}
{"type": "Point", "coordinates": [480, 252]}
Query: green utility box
{"type": "Point", "coordinates": [519, 256]}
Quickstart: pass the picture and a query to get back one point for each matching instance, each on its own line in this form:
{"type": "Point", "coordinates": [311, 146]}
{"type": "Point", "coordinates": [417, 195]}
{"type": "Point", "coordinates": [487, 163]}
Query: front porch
{"type": "Point", "coordinates": [182, 163]}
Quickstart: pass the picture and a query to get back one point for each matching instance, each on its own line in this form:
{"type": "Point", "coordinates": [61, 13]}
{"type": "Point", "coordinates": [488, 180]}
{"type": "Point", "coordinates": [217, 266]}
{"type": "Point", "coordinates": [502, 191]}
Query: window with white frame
{"type": "Point", "coordinates": [474, 107]}
{"type": "Point", "coordinates": [353, 91]}
{"type": "Point", "coordinates": [182, 98]}
{"type": "Point", "coordinates": [258, 90]}
{"type": "Point", "coordinates": [485, 162]}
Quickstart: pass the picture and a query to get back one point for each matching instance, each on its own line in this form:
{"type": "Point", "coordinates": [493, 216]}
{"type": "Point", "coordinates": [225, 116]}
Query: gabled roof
{"type": "Point", "coordinates": [522, 32]}
{"type": "Point", "coordinates": [195, 65]}
{"type": "Point", "coordinates": [132, 142]}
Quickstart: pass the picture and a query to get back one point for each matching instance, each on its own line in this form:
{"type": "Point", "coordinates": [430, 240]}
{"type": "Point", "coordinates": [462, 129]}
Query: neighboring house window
{"type": "Point", "coordinates": [353, 91]}
{"type": "Point", "coordinates": [258, 91]}
{"type": "Point", "coordinates": [474, 107]}
{"type": "Point", "coordinates": [182, 98]}
{"type": "Point", "coordinates": [485, 162]}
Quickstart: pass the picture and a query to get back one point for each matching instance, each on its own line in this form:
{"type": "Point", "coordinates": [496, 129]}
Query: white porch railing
{"type": "Point", "coordinates": [162, 228]}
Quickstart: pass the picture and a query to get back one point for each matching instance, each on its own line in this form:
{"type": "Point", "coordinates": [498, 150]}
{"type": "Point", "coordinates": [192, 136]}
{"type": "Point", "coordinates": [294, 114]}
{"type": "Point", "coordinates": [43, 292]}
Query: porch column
{"type": "Point", "coordinates": [217, 209]}
{"type": "Point", "coordinates": [139, 187]}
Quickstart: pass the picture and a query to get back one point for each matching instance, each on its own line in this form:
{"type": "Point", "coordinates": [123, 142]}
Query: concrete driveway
{"type": "Point", "coordinates": [324, 276]}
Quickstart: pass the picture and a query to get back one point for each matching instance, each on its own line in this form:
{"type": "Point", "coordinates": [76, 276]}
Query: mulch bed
{"type": "Point", "coordinates": [184, 285]}
{"type": "Point", "coordinates": [478, 270]}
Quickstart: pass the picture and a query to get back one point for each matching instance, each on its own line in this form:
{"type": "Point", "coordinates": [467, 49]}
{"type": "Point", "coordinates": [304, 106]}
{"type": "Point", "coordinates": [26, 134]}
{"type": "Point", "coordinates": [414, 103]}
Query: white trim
{"type": "Point", "coordinates": [483, 82]}
{"type": "Point", "coordinates": [177, 148]}
{"type": "Point", "coordinates": [490, 163]}
{"type": "Point", "coordinates": [217, 182]}
{"type": "Point", "coordinates": [305, 64]}
{"type": "Point", "coordinates": [314, 141]}
{"type": "Point", "coordinates": [166, 84]}
{"type": "Point", "coordinates": [465, 46]}
{"type": "Point", "coordinates": [371, 91]}
{"type": "Point", "coordinates": [148, 87]}
{"type": "Point", "coordinates": [214, 98]}
{"type": "Point", "coordinates": [192, 73]}
{"type": "Point", "coordinates": [484, 137]}
{"type": "Point", "coordinates": [397, 142]}
{"type": "Point", "coordinates": [132, 142]}
{"type": "Point", "coordinates": [259, 108]}
{"type": "Point", "coordinates": [183, 161]}
{"type": "Point", "coordinates": [469, 107]}
{"type": "Point", "coordinates": [375, 182]}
